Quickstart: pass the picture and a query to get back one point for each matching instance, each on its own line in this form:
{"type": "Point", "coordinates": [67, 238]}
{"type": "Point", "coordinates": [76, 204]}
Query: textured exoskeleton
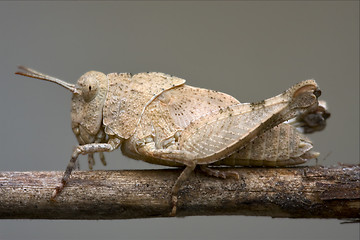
{"type": "Point", "coordinates": [155, 117]}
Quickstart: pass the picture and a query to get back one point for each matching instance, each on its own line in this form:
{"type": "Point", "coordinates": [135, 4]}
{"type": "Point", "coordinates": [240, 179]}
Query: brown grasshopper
{"type": "Point", "coordinates": [156, 118]}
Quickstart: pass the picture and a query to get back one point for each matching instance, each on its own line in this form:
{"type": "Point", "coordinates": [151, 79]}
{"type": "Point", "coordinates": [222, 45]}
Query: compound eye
{"type": "Point", "coordinates": [89, 89]}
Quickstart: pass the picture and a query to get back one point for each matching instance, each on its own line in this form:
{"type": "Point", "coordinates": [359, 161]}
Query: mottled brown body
{"type": "Point", "coordinates": [155, 117]}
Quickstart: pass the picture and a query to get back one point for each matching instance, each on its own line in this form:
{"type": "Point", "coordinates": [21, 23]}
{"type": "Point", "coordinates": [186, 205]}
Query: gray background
{"type": "Point", "coordinates": [251, 50]}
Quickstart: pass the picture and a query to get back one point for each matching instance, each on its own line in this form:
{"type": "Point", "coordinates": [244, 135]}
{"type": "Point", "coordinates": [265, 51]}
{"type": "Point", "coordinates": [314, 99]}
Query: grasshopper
{"type": "Point", "coordinates": [156, 118]}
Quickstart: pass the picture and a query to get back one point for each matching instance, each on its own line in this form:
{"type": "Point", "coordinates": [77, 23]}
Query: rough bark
{"type": "Point", "coordinates": [298, 192]}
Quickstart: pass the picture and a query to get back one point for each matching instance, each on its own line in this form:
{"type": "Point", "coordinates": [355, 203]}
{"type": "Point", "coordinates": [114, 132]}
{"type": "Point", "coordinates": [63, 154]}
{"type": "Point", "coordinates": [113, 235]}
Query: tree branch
{"type": "Point", "coordinates": [299, 192]}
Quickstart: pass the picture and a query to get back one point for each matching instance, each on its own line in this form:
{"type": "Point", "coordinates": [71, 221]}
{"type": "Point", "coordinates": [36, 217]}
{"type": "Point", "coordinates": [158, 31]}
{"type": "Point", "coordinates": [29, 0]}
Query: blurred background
{"type": "Point", "coordinates": [250, 50]}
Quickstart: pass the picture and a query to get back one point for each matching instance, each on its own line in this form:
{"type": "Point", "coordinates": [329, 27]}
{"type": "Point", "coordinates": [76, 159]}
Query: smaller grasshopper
{"type": "Point", "coordinates": [156, 118]}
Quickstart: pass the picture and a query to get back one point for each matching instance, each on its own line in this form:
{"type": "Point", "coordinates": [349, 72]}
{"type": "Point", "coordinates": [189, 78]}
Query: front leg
{"type": "Point", "coordinates": [112, 144]}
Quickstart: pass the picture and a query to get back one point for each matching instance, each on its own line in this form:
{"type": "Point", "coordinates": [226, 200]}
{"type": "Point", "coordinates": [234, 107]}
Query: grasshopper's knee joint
{"type": "Point", "coordinates": [78, 150]}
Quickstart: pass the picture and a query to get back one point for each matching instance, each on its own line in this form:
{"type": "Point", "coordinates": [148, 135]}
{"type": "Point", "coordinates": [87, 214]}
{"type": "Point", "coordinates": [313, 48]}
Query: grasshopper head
{"type": "Point", "coordinates": [87, 103]}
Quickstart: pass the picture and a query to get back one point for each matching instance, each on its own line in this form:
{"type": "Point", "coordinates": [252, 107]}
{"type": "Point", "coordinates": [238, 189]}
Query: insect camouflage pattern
{"type": "Point", "coordinates": [156, 118]}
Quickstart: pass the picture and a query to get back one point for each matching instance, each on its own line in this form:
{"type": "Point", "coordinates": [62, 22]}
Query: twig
{"type": "Point", "coordinates": [300, 192]}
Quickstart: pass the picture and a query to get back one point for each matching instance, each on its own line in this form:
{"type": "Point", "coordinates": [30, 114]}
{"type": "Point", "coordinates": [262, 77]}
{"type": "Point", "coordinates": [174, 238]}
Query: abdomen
{"type": "Point", "coordinates": [282, 145]}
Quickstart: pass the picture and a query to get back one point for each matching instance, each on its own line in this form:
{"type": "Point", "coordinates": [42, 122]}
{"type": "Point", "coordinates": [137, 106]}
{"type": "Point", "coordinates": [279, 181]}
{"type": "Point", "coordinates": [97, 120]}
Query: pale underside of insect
{"type": "Point", "coordinates": [156, 118]}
